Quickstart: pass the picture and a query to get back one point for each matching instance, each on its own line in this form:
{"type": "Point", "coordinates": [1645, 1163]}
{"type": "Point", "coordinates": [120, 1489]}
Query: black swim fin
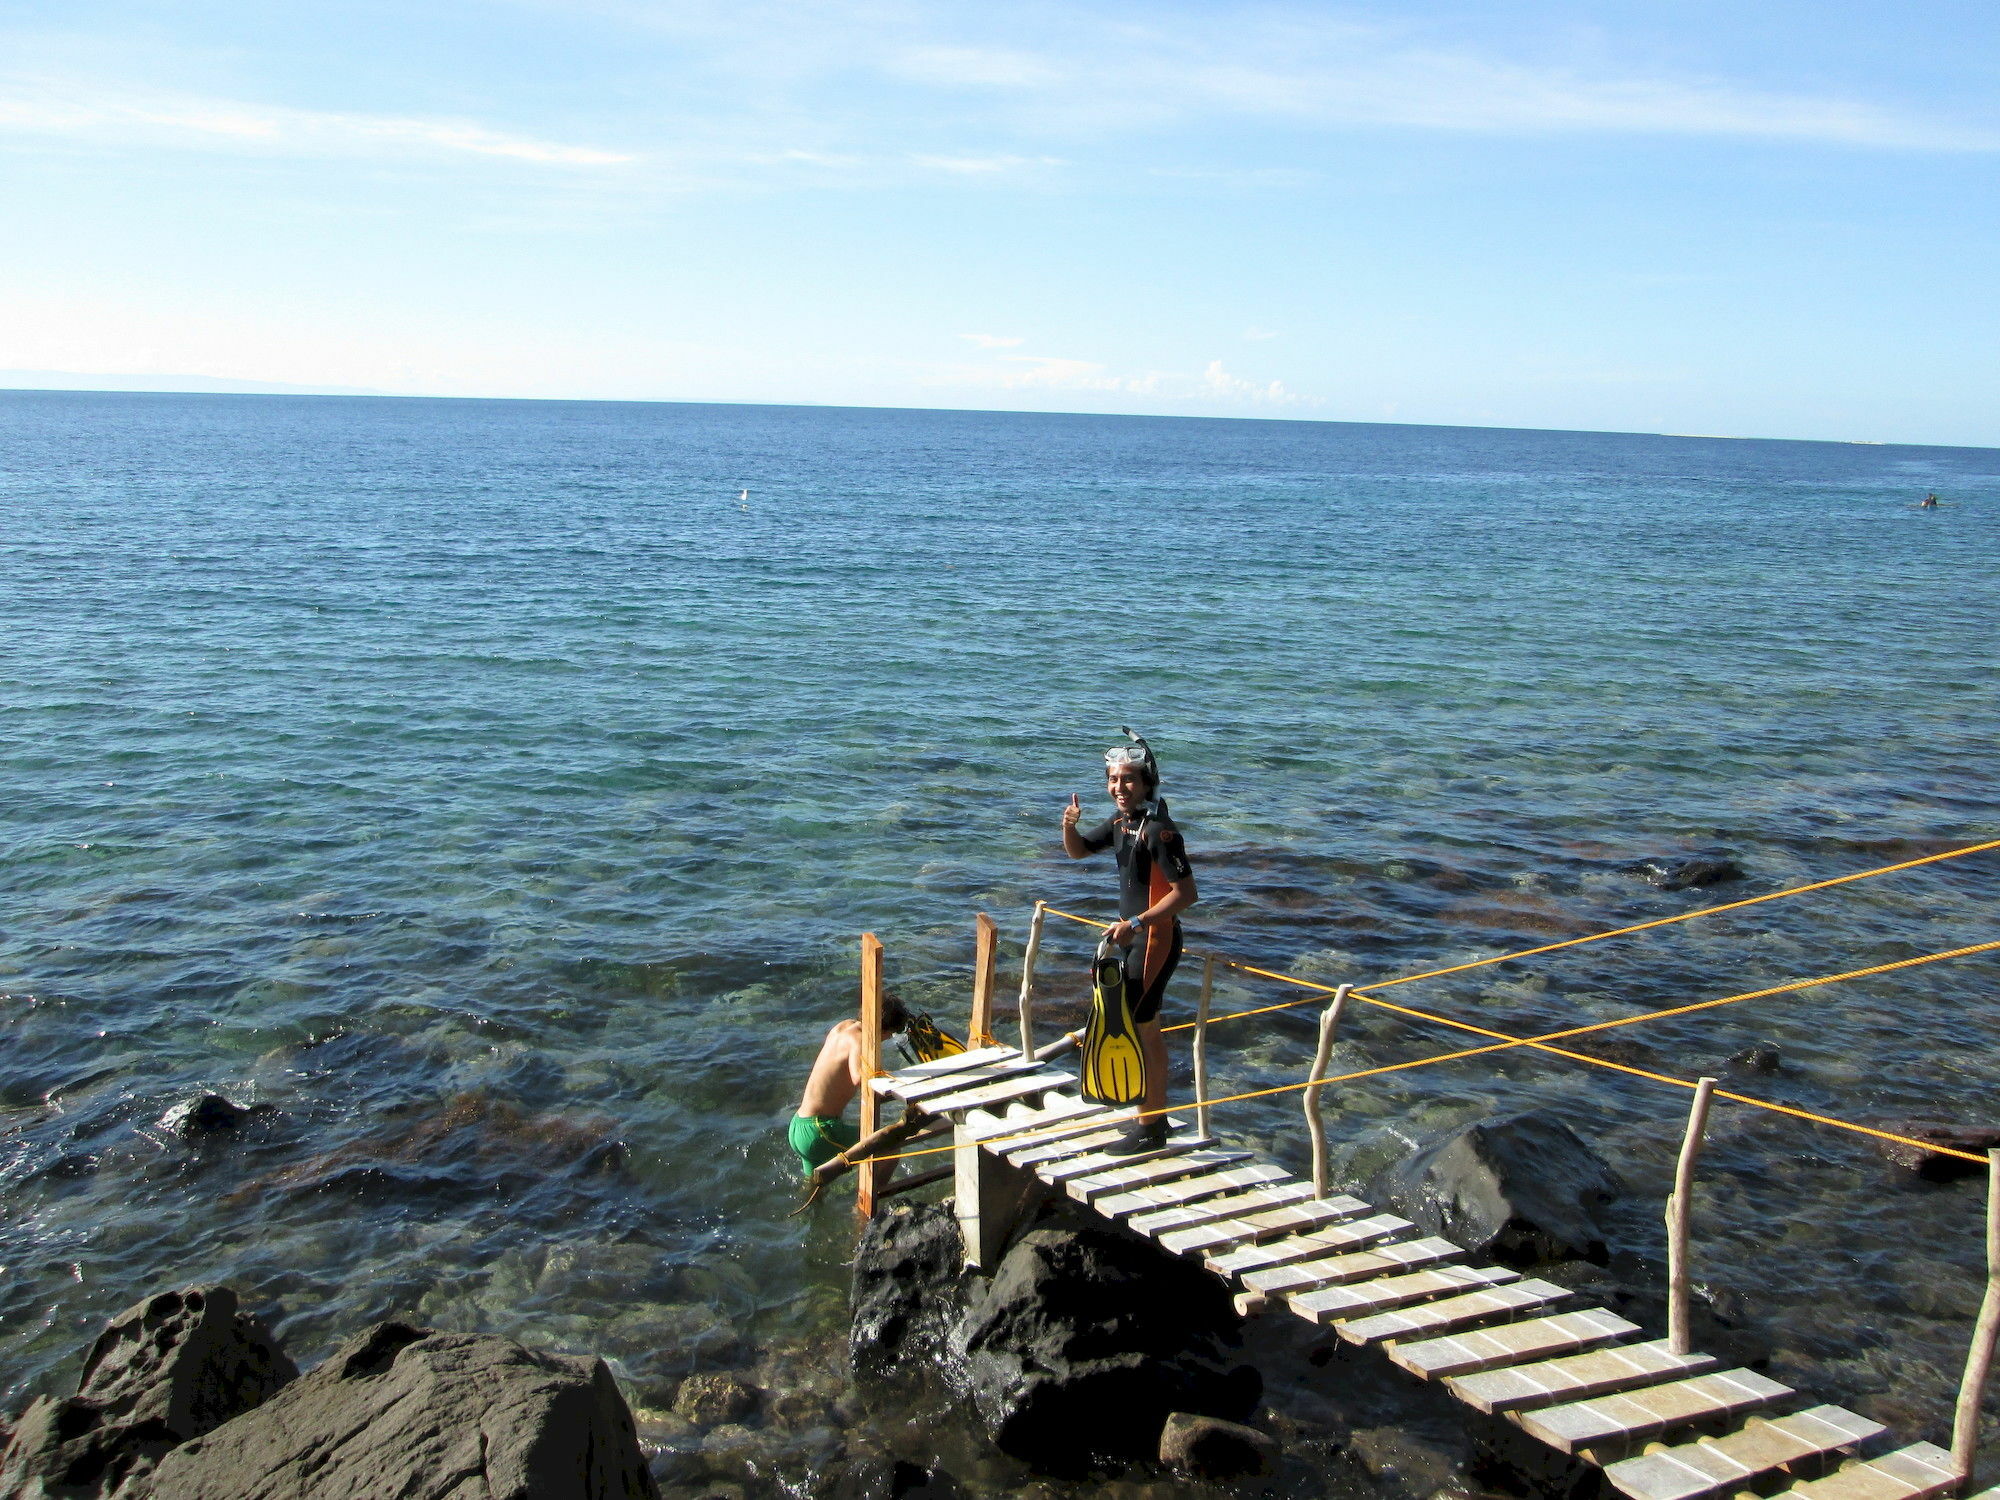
{"type": "Point", "coordinates": [923, 1038]}
{"type": "Point", "coordinates": [1114, 1064]}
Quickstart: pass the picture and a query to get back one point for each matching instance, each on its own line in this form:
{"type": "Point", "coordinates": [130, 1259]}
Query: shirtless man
{"type": "Point", "coordinates": [818, 1133]}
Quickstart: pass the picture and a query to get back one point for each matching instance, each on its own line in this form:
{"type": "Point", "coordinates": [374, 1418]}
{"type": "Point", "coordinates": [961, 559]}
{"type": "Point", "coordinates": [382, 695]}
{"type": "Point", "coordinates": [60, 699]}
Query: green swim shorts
{"type": "Point", "coordinates": [820, 1138]}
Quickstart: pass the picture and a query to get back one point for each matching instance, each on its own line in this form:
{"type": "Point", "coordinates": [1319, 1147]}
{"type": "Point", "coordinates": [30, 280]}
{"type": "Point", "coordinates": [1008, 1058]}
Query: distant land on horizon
{"type": "Point", "coordinates": [66, 381]}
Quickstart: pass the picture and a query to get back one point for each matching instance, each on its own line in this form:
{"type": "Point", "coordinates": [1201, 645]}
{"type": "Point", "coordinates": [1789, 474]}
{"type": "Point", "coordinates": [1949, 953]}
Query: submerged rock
{"type": "Point", "coordinates": [714, 1399]}
{"type": "Point", "coordinates": [1682, 874]}
{"type": "Point", "coordinates": [1762, 1057]}
{"type": "Point", "coordinates": [1934, 1166]}
{"type": "Point", "coordinates": [1209, 1448]}
{"type": "Point", "coordinates": [166, 1370]}
{"type": "Point", "coordinates": [906, 1300]}
{"type": "Point", "coordinates": [413, 1412]}
{"type": "Point", "coordinates": [210, 1115]}
{"type": "Point", "coordinates": [1523, 1189]}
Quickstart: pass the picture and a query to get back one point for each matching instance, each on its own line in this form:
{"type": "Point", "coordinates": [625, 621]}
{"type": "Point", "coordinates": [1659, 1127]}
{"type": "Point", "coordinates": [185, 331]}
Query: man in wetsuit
{"type": "Point", "coordinates": [1155, 885]}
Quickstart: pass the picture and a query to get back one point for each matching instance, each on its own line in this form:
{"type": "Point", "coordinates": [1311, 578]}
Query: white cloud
{"type": "Point", "coordinates": [982, 165]}
{"type": "Point", "coordinates": [160, 119]}
{"type": "Point", "coordinates": [992, 340]}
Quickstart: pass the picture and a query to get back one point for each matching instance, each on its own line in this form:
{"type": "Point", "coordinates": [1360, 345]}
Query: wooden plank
{"type": "Point", "coordinates": [1362, 1265]}
{"type": "Point", "coordinates": [867, 1179]}
{"type": "Point", "coordinates": [1331, 1304]}
{"type": "Point", "coordinates": [958, 1062]}
{"type": "Point", "coordinates": [1913, 1473]}
{"type": "Point", "coordinates": [1158, 1221]}
{"type": "Point", "coordinates": [984, 1096]}
{"type": "Point", "coordinates": [1641, 1413]}
{"type": "Point", "coordinates": [1191, 1189]}
{"type": "Point", "coordinates": [1062, 1115]}
{"type": "Point", "coordinates": [1598, 1373]}
{"type": "Point", "coordinates": [1452, 1312]}
{"type": "Point", "coordinates": [1093, 1137]}
{"type": "Point", "coordinates": [1123, 1178]}
{"type": "Point", "coordinates": [1714, 1465]}
{"type": "Point", "coordinates": [921, 1089]}
{"type": "Point", "coordinates": [1262, 1226]}
{"type": "Point", "coordinates": [1510, 1344]}
{"type": "Point", "coordinates": [1056, 1173]}
{"type": "Point", "coordinates": [985, 959]}
{"type": "Point", "coordinates": [1234, 1261]}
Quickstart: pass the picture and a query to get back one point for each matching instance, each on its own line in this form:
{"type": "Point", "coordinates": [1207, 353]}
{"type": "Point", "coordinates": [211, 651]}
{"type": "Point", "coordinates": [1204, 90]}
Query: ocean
{"type": "Point", "coordinates": [488, 790]}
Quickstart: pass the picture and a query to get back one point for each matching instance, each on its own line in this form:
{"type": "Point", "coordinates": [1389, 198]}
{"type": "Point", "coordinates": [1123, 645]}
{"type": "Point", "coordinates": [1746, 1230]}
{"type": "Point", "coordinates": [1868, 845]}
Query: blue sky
{"type": "Point", "coordinates": [1774, 220]}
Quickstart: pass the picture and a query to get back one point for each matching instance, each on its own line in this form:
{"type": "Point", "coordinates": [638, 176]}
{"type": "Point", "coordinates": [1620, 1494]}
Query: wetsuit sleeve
{"type": "Point", "coordinates": [1099, 838]}
{"type": "Point", "coordinates": [1169, 852]}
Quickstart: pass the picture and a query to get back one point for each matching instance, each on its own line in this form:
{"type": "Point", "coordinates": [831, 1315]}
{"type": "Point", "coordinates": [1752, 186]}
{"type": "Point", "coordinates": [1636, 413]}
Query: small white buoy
{"type": "Point", "coordinates": [743, 495]}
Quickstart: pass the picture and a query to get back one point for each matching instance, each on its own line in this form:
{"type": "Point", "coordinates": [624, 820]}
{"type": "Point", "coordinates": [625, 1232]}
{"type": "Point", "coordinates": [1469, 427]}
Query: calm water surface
{"type": "Point", "coordinates": [486, 789]}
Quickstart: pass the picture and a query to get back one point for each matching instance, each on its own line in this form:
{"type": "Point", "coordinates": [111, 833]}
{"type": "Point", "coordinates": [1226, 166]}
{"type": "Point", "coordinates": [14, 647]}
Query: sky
{"type": "Point", "coordinates": [1775, 220]}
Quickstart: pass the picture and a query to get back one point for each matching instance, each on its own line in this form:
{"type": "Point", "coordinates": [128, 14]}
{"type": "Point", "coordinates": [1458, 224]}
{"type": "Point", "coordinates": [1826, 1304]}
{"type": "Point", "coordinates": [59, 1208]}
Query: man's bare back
{"type": "Point", "coordinates": [836, 1073]}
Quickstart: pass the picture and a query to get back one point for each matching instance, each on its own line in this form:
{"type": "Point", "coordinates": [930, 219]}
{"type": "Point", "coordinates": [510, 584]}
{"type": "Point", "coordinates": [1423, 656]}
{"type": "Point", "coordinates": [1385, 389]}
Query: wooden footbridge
{"type": "Point", "coordinates": [1661, 1420]}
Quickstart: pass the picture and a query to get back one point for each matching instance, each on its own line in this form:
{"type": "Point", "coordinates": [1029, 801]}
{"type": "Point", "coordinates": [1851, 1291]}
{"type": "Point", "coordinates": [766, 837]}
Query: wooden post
{"type": "Point", "coordinates": [1329, 1023]}
{"type": "Point", "coordinates": [1201, 1046]}
{"type": "Point", "coordinates": [1679, 1339]}
{"type": "Point", "coordinates": [1027, 1006]}
{"type": "Point", "coordinates": [871, 1063]}
{"type": "Point", "coordinates": [985, 954]}
{"type": "Point", "coordinates": [1979, 1358]}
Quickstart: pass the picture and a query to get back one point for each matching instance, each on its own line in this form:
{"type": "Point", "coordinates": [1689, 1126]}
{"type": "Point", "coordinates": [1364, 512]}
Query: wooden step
{"type": "Point", "coordinates": [1260, 1226]}
{"type": "Point", "coordinates": [1509, 1344]}
{"type": "Point", "coordinates": [1333, 1304]}
{"type": "Point", "coordinates": [1036, 1150]}
{"type": "Point", "coordinates": [1598, 1373]}
{"type": "Point", "coordinates": [986, 1095]}
{"type": "Point", "coordinates": [1913, 1473]}
{"type": "Point", "coordinates": [1362, 1265]}
{"type": "Point", "coordinates": [1714, 1466]}
{"type": "Point", "coordinates": [1641, 1413]}
{"type": "Point", "coordinates": [1191, 1190]}
{"type": "Point", "coordinates": [917, 1090]}
{"type": "Point", "coordinates": [1087, 1163]}
{"type": "Point", "coordinates": [1328, 1241]}
{"type": "Point", "coordinates": [1158, 1221]}
{"type": "Point", "coordinates": [958, 1062]}
{"type": "Point", "coordinates": [1427, 1318]}
{"type": "Point", "coordinates": [1063, 1114]}
{"type": "Point", "coordinates": [1123, 1178]}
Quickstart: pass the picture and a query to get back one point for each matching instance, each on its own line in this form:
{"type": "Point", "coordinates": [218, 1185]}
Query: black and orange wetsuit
{"type": "Point", "coordinates": [1151, 857]}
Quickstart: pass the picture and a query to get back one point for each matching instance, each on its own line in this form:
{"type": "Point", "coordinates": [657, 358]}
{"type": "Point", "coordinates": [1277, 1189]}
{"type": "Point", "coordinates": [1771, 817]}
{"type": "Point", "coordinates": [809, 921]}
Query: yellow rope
{"type": "Point", "coordinates": [1501, 958]}
{"type": "Point", "coordinates": [1540, 1043]}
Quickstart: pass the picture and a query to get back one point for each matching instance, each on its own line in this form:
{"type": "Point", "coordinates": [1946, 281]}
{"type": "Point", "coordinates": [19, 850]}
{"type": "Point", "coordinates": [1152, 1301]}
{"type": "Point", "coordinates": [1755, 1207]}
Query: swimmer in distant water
{"type": "Point", "coordinates": [1929, 502]}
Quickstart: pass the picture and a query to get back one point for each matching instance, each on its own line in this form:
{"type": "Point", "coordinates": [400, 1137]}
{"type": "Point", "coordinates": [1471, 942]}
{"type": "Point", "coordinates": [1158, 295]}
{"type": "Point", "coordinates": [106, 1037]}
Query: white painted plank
{"type": "Point", "coordinates": [984, 1096]}
{"type": "Point", "coordinates": [1123, 1178]}
{"type": "Point", "coordinates": [978, 1057]}
{"type": "Point", "coordinates": [1642, 1413]}
{"type": "Point", "coordinates": [1234, 1261]}
{"type": "Point", "coordinates": [1334, 1304]}
{"type": "Point", "coordinates": [1913, 1473]}
{"type": "Point", "coordinates": [1452, 1312]}
{"type": "Point", "coordinates": [1262, 1226]}
{"type": "Point", "coordinates": [1478, 1349]}
{"type": "Point", "coordinates": [1575, 1377]}
{"type": "Point", "coordinates": [1060, 1114]}
{"type": "Point", "coordinates": [916, 1091]}
{"type": "Point", "coordinates": [1190, 1190]}
{"type": "Point", "coordinates": [1157, 1222]}
{"type": "Point", "coordinates": [1056, 1173]}
{"type": "Point", "coordinates": [1361, 1265]}
{"type": "Point", "coordinates": [1714, 1465]}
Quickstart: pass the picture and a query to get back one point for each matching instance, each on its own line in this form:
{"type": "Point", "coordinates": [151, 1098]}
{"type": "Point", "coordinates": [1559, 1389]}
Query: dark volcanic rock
{"type": "Point", "coordinates": [1088, 1337]}
{"type": "Point", "coordinates": [1763, 1057]}
{"type": "Point", "coordinates": [715, 1398]}
{"type": "Point", "coordinates": [1209, 1448]}
{"type": "Point", "coordinates": [1523, 1189]}
{"type": "Point", "coordinates": [210, 1115]}
{"type": "Point", "coordinates": [166, 1370]}
{"type": "Point", "coordinates": [1931, 1165]}
{"type": "Point", "coordinates": [906, 1300]}
{"type": "Point", "coordinates": [424, 1416]}
{"type": "Point", "coordinates": [1681, 874]}
{"type": "Point", "coordinates": [879, 1477]}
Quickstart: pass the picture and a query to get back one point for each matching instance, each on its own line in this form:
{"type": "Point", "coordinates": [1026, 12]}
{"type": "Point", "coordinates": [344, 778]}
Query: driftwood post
{"type": "Point", "coordinates": [871, 1063]}
{"type": "Point", "coordinates": [1329, 1023]}
{"type": "Point", "coordinates": [1679, 1339]}
{"type": "Point", "coordinates": [1979, 1358]}
{"type": "Point", "coordinates": [986, 953]}
{"type": "Point", "coordinates": [1201, 1046]}
{"type": "Point", "coordinates": [1027, 1006]}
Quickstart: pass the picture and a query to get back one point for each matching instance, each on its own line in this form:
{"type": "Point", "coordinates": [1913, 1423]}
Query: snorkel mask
{"type": "Point", "coordinates": [1139, 754]}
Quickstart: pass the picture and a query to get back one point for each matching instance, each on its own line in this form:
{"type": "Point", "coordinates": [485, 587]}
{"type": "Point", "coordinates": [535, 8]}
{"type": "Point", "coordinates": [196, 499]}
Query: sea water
{"type": "Point", "coordinates": [498, 796]}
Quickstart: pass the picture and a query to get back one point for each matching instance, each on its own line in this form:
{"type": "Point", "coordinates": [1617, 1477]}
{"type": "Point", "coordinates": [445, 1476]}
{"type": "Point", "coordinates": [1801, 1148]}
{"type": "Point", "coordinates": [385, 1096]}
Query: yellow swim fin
{"type": "Point", "coordinates": [927, 1041]}
{"type": "Point", "coordinates": [1114, 1065]}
